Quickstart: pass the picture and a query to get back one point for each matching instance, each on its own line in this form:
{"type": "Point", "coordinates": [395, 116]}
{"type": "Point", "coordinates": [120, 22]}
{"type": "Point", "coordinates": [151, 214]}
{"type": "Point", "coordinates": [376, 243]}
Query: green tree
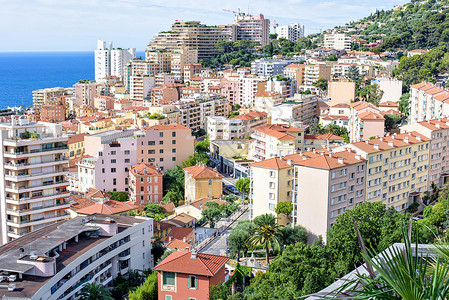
{"type": "Point", "coordinates": [266, 233]}
{"type": "Point", "coordinates": [391, 122]}
{"type": "Point", "coordinates": [147, 290]}
{"type": "Point", "coordinates": [202, 146]}
{"type": "Point", "coordinates": [353, 73]}
{"type": "Point", "coordinates": [173, 196]}
{"type": "Point", "coordinates": [322, 84]}
{"type": "Point", "coordinates": [211, 213]}
{"type": "Point", "coordinates": [238, 238]}
{"type": "Point", "coordinates": [285, 208]}
{"type": "Point", "coordinates": [371, 93]}
{"type": "Point", "coordinates": [95, 291]}
{"type": "Point", "coordinates": [314, 127]}
{"type": "Point", "coordinates": [404, 103]}
{"type": "Point", "coordinates": [153, 209]}
{"type": "Point", "coordinates": [173, 182]}
{"type": "Point", "coordinates": [242, 185]}
{"type": "Point", "coordinates": [293, 235]}
{"type": "Point", "coordinates": [119, 196]}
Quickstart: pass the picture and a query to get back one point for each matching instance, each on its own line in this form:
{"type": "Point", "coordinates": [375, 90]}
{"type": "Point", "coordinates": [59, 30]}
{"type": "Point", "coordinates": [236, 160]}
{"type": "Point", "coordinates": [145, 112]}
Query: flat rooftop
{"type": "Point", "coordinates": [46, 239]}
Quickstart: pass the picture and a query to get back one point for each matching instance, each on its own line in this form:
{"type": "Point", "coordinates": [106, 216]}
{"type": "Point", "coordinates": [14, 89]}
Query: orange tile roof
{"type": "Point", "coordinates": [433, 124]}
{"type": "Point", "coordinates": [388, 104]}
{"type": "Point", "coordinates": [172, 126]}
{"type": "Point", "coordinates": [109, 207]}
{"type": "Point", "coordinates": [390, 112]}
{"type": "Point", "coordinates": [76, 138]}
{"type": "Point", "coordinates": [181, 262]}
{"type": "Point", "coordinates": [178, 244]}
{"type": "Point", "coordinates": [279, 131]}
{"type": "Point", "coordinates": [179, 233]}
{"type": "Point", "coordinates": [251, 115]}
{"type": "Point", "coordinates": [334, 117]}
{"type": "Point", "coordinates": [199, 203]}
{"type": "Point", "coordinates": [341, 105]}
{"type": "Point", "coordinates": [145, 169]}
{"type": "Point", "coordinates": [397, 140]}
{"type": "Point", "coordinates": [328, 160]}
{"type": "Point", "coordinates": [368, 115]}
{"type": "Point", "coordinates": [276, 163]}
{"type": "Point", "coordinates": [168, 207]}
{"type": "Point", "coordinates": [202, 172]}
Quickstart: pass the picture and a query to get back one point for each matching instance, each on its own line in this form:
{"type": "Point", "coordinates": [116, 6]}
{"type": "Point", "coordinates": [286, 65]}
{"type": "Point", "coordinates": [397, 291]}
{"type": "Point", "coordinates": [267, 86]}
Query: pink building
{"type": "Point", "coordinates": [104, 102]}
{"type": "Point", "coordinates": [85, 93]}
{"type": "Point", "coordinates": [145, 184]}
{"type": "Point", "coordinates": [365, 121]}
{"type": "Point", "coordinates": [189, 275]}
{"type": "Point", "coordinates": [165, 146]}
{"type": "Point", "coordinates": [230, 89]}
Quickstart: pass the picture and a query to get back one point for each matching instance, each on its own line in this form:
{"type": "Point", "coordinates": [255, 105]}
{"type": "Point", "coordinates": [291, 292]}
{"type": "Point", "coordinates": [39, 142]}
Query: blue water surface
{"type": "Point", "coordinates": [23, 72]}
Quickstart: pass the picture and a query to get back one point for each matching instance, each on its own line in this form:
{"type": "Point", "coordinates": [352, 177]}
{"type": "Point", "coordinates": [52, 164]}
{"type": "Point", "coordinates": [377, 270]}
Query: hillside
{"type": "Point", "coordinates": [415, 25]}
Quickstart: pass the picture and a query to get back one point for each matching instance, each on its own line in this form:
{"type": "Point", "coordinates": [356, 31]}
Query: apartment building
{"type": "Point", "coordinates": [397, 168]}
{"type": "Point", "coordinates": [299, 109]}
{"type": "Point", "coordinates": [85, 92]}
{"type": "Point", "coordinates": [231, 157]}
{"type": "Point", "coordinates": [427, 102]}
{"type": "Point", "coordinates": [161, 58]}
{"type": "Point", "coordinates": [266, 67]}
{"type": "Point", "coordinates": [34, 185]}
{"type": "Point", "coordinates": [341, 91]}
{"type": "Point", "coordinates": [180, 59]}
{"type": "Point", "coordinates": [291, 32]}
{"type": "Point", "coordinates": [75, 145]}
{"type": "Point", "coordinates": [49, 95]}
{"type": "Point", "coordinates": [164, 146]}
{"type": "Point", "coordinates": [392, 87]}
{"type": "Point", "coordinates": [111, 61]}
{"type": "Point", "coordinates": [325, 184]}
{"type": "Point", "coordinates": [189, 34]}
{"type": "Point", "coordinates": [365, 121]}
{"type": "Point", "coordinates": [319, 141]}
{"type": "Point", "coordinates": [272, 183]}
{"type": "Point", "coordinates": [437, 131]}
{"type": "Point", "coordinates": [337, 41]}
{"type": "Point", "coordinates": [52, 113]}
{"type": "Point", "coordinates": [58, 261]}
{"type": "Point", "coordinates": [222, 128]}
{"type": "Point", "coordinates": [276, 140]}
{"type": "Point", "coordinates": [202, 182]}
{"type": "Point", "coordinates": [312, 73]}
{"type": "Point", "coordinates": [190, 113]}
{"type": "Point", "coordinates": [266, 100]}
{"type": "Point", "coordinates": [164, 95]}
{"type": "Point", "coordinates": [252, 28]}
{"type": "Point", "coordinates": [145, 184]}
{"type": "Point", "coordinates": [140, 87]}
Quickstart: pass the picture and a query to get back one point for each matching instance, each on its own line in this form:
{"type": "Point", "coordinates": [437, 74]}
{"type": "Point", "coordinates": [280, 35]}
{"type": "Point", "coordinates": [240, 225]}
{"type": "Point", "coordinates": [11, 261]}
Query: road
{"type": "Point", "coordinates": [229, 181]}
{"type": "Point", "coordinates": [218, 245]}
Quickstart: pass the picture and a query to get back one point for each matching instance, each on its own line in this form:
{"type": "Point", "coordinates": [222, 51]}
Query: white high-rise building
{"type": "Point", "coordinates": [252, 28]}
{"type": "Point", "coordinates": [337, 41]}
{"type": "Point", "coordinates": [33, 186]}
{"type": "Point", "coordinates": [290, 32]}
{"type": "Point", "coordinates": [111, 61]}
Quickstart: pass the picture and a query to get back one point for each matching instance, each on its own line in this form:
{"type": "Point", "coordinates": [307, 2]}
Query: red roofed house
{"type": "Point", "coordinates": [145, 184]}
{"type": "Point", "coordinates": [95, 201]}
{"type": "Point", "coordinates": [365, 121]}
{"type": "Point", "coordinates": [202, 182]}
{"type": "Point", "coordinates": [276, 139]}
{"type": "Point", "coordinates": [189, 275]}
{"type": "Point", "coordinates": [186, 235]}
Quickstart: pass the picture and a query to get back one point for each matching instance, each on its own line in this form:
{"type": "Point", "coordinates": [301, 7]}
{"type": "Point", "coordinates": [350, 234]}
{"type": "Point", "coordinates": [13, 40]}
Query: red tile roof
{"type": "Point", "coordinates": [179, 233]}
{"type": "Point", "coordinates": [397, 140]}
{"type": "Point", "coordinates": [202, 172]}
{"type": "Point", "coordinates": [144, 169]}
{"type": "Point", "coordinates": [276, 163]}
{"type": "Point", "coordinates": [173, 126]}
{"type": "Point", "coordinates": [178, 244]}
{"type": "Point", "coordinates": [333, 117]}
{"type": "Point", "coordinates": [327, 160]}
{"type": "Point", "coordinates": [76, 138]}
{"type": "Point", "coordinates": [388, 104]}
{"type": "Point", "coordinates": [279, 131]}
{"type": "Point", "coordinates": [368, 115]}
{"type": "Point", "coordinates": [323, 137]}
{"type": "Point", "coordinates": [181, 262]}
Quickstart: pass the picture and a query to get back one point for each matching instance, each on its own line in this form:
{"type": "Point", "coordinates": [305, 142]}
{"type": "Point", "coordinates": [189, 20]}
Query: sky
{"type": "Point", "coordinates": [76, 25]}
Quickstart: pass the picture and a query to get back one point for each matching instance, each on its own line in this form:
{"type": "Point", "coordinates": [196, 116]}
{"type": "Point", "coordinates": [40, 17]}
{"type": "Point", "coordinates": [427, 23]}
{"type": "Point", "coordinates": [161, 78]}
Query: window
{"type": "Point", "coordinates": [192, 282]}
{"type": "Point", "coordinates": [114, 181]}
{"type": "Point", "coordinates": [161, 142]}
{"type": "Point", "coordinates": [173, 142]}
{"type": "Point", "coordinates": [173, 134]}
{"type": "Point", "coordinates": [271, 206]}
{"type": "Point", "coordinates": [271, 185]}
{"type": "Point", "coordinates": [173, 150]}
{"type": "Point", "coordinates": [210, 181]}
{"type": "Point", "coordinates": [151, 143]}
{"type": "Point", "coordinates": [173, 158]}
{"type": "Point", "coordinates": [102, 170]}
{"type": "Point", "coordinates": [161, 151]}
{"type": "Point", "coordinates": [271, 195]}
{"type": "Point", "coordinates": [127, 161]}
{"type": "Point", "coordinates": [161, 134]}
{"type": "Point", "coordinates": [151, 151]}
{"type": "Point", "coordinates": [161, 159]}
{"type": "Point", "coordinates": [272, 174]}
{"type": "Point", "coordinates": [113, 170]}
{"type": "Point", "coordinates": [168, 278]}
{"type": "Point", "coordinates": [113, 161]}
{"type": "Point", "coordinates": [168, 297]}
{"type": "Point", "coordinates": [113, 152]}
{"type": "Point", "coordinates": [127, 152]}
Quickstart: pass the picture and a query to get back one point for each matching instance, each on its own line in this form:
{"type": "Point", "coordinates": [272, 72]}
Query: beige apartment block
{"type": "Point", "coordinates": [33, 189]}
{"type": "Point", "coordinates": [437, 131]}
{"type": "Point", "coordinates": [341, 92]}
{"type": "Point", "coordinates": [427, 102]}
{"type": "Point", "coordinates": [365, 121]}
{"type": "Point", "coordinates": [397, 169]}
{"type": "Point", "coordinates": [325, 184]}
{"type": "Point", "coordinates": [49, 95]}
{"type": "Point", "coordinates": [272, 183]}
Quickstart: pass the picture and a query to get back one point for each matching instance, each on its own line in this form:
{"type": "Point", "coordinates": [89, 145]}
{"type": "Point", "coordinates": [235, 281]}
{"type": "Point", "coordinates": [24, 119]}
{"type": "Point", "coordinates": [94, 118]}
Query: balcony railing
{"type": "Point", "coordinates": [38, 150]}
{"type": "Point", "coordinates": [30, 187]}
{"type": "Point", "coordinates": [35, 208]}
{"type": "Point", "coordinates": [36, 163]}
{"type": "Point", "coordinates": [43, 218]}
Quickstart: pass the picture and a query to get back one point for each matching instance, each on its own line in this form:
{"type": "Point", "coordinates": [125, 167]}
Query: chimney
{"type": "Point", "coordinates": [358, 157]}
{"type": "Point", "coordinates": [390, 144]}
{"type": "Point", "coordinates": [406, 140]}
{"type": "Point", "coordinates": [330, 154]}
{"type": "Point", "coordinates": [193, 254]}
{"type": "Point", "coordinates": [376, 146]}
{"type": "Point", "coordinates": [184, 239]}
{"type": "Point", "coordinates": [341, 161]}
{"type": "Point", "coordinates": [289, 162]}
{"type": "Point", "coordinates": [381, 139]}
{"type": "Point", "coordinates": [367, 142]}
{"type": "Point", "coordinates": [418, 138]}
{"type": "Point", "coordinates": [170, 238]}
{"type": "Point", "coordinates": [438, 125]}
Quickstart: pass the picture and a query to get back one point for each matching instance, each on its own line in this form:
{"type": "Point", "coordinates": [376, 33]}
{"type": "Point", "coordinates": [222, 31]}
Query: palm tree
{"type": "Point", "coordinates": [95, 291]}
{"type": "Point", "coordinates": [402, 273]}
{"type": "Point", "coordinates": [266, 233]}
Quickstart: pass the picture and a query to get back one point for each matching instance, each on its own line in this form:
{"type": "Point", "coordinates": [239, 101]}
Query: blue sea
{"type": "Point", "coordinates": [23, 72]}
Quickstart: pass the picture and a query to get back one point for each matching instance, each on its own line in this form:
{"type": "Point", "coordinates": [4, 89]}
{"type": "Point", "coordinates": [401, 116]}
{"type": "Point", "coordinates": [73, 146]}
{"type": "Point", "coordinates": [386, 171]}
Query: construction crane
{"type": "Point", "coordinates": [232, 11]}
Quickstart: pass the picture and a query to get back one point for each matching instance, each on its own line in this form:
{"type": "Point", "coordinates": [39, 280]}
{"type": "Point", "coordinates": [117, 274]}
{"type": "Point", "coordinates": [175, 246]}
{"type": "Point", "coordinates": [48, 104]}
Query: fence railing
{"type": "Point", "coordinates": [240, 211]}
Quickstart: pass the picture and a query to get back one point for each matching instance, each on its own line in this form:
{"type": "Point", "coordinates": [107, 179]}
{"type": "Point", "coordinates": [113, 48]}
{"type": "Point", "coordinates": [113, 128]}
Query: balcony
{"type": "Point", "coordinates": [19, 154]}
{"type": "Point", "coordinates": [21, 166]}
{"type": "Point", "coordinates": [35, 210]}
{"type": "Point", "coordinates": [22, 177]}
{"type": "Point", "coordinates": [37, 198]}
{"type": "Point", "coordinates": [43, 220]}
{"type": "Point", "coordinates": [23, 189]}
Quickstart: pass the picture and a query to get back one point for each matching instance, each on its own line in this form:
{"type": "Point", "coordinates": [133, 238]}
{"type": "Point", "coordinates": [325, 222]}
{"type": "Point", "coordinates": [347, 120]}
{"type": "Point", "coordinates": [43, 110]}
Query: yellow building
{"type": "Point", "coordinates": [76, 146]}
{"type": "Point", "coordinates": [202, 182]}
{"type": "Point", "coordinates": [397, 169]}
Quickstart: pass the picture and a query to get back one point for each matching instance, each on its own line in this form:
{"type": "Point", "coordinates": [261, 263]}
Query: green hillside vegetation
{"type": "Point", "coordinates": [418, 25]}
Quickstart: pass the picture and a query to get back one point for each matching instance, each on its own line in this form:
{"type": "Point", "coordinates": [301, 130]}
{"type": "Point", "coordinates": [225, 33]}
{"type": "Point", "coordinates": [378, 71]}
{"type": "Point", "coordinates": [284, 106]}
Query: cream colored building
{"type": "Point", "coordinates": [202, 182]}
{"type": "Point", "coordinates": [337, 41]}
{"type": "Point", "coordinates": [365, 121]}
{"type": "Point", "coordinates": [397, 169]}
{"type": "Point", "coordinates": [427, 102]}
{"type": "Point", "coordinates": [46, 96]}
{"type": "Point", "coordinates": [33, 189]}
{"type": "Point", "coordinates": [272, 183]}
{"type": "Point", "coordinates": [341, 92]}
